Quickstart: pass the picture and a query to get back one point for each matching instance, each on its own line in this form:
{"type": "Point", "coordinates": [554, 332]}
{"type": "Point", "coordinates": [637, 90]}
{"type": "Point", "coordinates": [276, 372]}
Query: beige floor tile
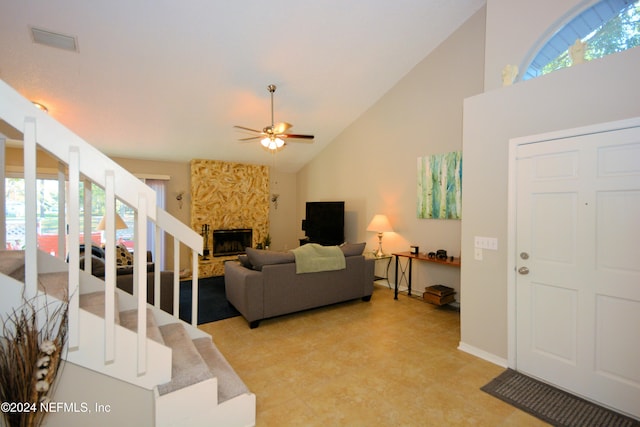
{"type": "Point", "coordinates": [381, 363]}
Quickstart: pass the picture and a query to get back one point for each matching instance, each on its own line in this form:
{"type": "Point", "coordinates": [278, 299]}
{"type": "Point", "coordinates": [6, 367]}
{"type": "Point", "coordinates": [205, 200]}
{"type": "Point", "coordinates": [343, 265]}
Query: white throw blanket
{"type": "Point", "coordinates": [312, 257]}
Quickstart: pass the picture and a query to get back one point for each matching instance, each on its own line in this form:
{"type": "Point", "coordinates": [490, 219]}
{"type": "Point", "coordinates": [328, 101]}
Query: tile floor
{"type": "Point", "coordinates": [381, 363]}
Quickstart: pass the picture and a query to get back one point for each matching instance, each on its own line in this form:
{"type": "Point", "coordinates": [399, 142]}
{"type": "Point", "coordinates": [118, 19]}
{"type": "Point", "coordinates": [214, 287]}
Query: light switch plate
{"type": "Point", "coordinates": [490, 243]}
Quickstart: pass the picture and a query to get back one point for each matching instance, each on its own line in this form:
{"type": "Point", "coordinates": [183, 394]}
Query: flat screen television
{"type": "Point", "coordinates": [324, 223]}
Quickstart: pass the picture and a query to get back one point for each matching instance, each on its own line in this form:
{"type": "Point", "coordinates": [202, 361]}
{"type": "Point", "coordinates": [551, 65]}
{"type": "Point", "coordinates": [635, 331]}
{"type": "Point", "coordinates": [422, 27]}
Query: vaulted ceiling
{"type": "Point", "coordinates": [168, 80]}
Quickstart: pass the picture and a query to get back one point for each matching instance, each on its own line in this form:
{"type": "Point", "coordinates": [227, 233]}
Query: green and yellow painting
{"type": "Point", "coordinates": [440, 186]}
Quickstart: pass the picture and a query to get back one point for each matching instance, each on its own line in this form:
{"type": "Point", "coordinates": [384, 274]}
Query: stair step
{"type": "Point", "coordinates": [229, 383]}
{"type": "Point", "coordinates": [12, 264]}
{"type": "Point", "coordinates": [187, 366]}
{"type": "Point", "coordinates": [54, 284]}
{"type": "Point", "coordinates": [129, 319]}
{"type": "Point", "coordinates": [94, 303]}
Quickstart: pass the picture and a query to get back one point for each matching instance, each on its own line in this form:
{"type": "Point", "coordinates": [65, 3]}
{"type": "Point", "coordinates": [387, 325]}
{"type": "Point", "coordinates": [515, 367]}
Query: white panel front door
{"type": "Point", "coordinates": [578, 261]}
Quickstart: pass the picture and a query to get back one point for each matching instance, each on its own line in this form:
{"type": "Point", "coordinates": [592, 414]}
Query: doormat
{"type": "Point", "coordinates": [552, 405]}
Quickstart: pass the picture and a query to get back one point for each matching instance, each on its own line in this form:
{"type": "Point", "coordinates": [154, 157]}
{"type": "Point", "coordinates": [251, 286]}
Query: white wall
{"type": "Point", "coordinates": [516, 30]}
{"type": "Point", "coordinates": [283, 222]}
{"type": "Point", "coordinates": [372, 165]}
{"type": "Point", "coordinates": [111, 402]}
{"type": "Point", "coordinates": [599, 91]}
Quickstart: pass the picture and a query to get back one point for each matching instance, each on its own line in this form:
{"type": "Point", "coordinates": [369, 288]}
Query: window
{"type": "Point", "coordinates": [607, 27]}
{"type": "Point", "coordinates": [47, 215]}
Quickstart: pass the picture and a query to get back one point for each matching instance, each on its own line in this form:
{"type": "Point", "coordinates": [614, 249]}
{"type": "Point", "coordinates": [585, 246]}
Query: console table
{"type": "Point", "coordinates": [405, 273]}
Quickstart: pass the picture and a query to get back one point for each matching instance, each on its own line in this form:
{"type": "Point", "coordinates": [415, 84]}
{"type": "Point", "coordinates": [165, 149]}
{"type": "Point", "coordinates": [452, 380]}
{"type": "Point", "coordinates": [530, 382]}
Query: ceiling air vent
{"type": "Point", "coordinates": [52, 39]}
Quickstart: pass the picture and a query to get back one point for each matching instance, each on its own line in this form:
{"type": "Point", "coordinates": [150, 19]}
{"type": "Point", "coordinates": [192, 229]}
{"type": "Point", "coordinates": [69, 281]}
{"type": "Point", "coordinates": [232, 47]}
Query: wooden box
{"type": "Point", "coordinates": [439, 295]}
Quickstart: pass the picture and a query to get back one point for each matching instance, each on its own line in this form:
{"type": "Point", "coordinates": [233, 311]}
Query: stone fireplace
{"type": "Point", "coordinates": [228, 196]}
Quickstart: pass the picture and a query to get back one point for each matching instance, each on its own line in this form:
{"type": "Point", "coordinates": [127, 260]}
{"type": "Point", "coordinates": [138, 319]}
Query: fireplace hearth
{"type": "Point", "coordinates": [231, 241]}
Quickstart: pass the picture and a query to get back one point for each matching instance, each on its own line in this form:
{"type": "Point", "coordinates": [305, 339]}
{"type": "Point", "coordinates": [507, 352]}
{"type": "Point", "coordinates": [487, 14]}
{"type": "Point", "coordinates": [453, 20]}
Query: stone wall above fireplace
{"type": "Point", "coordinates": [228, 196]}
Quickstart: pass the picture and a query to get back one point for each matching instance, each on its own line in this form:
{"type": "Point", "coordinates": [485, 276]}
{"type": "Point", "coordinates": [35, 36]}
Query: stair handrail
{"type": "Point", "coordinates": [40, 129]}
{"type": "Point", "coordinates": [193, 241]}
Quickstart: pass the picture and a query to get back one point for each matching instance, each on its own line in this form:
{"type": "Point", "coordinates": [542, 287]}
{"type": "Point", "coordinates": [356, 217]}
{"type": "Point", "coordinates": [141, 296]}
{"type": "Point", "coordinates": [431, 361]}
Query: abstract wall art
{"type": "Point", "coordinates": [440, 186]}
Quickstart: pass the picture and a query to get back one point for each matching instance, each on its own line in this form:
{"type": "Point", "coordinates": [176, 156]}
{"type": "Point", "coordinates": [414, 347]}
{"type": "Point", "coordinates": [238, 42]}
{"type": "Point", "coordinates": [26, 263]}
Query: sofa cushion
{"type": "Point", "coordinates": [95, 250]}
{"type": "Point", "coordinates": [259, 258]}
{"type": "Point", "coordinates": [97, 265]}
{"type": "Point", "coordinates": [123, 256]}
{"type": "Point", "coordinates": [244, 260]}
{"type": "Point", "coordinates": [128, 269]}
{"type": "Point", "coordinates": [352, 249]}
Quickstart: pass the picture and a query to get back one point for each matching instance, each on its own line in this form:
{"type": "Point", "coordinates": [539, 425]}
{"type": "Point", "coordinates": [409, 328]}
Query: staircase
{"type": "Point", "coordinates": [168, 373]}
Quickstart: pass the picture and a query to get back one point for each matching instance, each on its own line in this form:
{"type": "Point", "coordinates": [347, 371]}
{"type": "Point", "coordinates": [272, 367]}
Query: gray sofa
{"type": "Point", "coordinates": [264, 284]}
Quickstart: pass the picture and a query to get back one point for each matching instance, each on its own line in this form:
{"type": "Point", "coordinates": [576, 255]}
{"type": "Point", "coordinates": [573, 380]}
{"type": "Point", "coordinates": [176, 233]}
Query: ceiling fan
{"type": "Point", "coordinates": [273, 137]}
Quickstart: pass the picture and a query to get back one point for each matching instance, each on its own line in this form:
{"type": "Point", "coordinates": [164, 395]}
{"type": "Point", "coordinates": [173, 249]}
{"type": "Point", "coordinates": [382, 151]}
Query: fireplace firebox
{"type": "Point", "coordinates": [231, 242]}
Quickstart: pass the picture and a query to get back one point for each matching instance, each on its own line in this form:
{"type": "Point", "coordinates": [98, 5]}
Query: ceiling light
{"type": "Point", "coordinates": [52, 39]}
{"type": "Point", "coordinates": [41, 106]}
{"type": "Point", "coordinates": [272, 143]}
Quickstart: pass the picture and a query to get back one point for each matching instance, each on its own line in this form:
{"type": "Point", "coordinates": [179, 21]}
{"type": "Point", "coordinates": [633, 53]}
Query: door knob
{"type": "Point", "coordinates": [523, 270]}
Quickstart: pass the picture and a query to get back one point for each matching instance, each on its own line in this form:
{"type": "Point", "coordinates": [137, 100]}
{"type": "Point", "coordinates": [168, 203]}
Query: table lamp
{"type": "Point", "coordinates": [120, 224]}
{"type": "Point", "coordinates": [379, 224]}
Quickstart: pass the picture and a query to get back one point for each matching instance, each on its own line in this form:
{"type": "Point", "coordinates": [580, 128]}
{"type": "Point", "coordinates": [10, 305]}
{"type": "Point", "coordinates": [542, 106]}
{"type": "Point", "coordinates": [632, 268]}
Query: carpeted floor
{"type": "Point", "coordinates": [552, 405]}
{"type": "Point", "coordinates": [212, 302]}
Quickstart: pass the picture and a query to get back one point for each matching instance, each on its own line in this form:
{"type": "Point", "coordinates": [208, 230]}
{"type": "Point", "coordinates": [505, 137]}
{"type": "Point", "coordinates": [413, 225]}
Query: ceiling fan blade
{"type": "Point", "coordinates": [296, 136]}
{"type": "Point", "coordinates": [249, 139]}
{"type": "Point", "coordinates": [281, 127]}
{"type": "Point", "coordinates": [249, 129]}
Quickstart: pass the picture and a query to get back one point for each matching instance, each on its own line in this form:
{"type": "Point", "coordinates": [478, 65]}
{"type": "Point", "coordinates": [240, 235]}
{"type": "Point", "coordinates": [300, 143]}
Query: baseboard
{"type": "Point", "coordinates": [383, 284]}
{"type": "Point", "coordinates": [489, 357]}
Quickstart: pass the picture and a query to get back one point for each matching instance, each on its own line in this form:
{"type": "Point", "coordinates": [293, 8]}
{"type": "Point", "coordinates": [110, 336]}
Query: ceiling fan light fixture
{"type": "Point", "coordinates": [272, 143]}
{"type": "Point", "coordinates": [272, 137]}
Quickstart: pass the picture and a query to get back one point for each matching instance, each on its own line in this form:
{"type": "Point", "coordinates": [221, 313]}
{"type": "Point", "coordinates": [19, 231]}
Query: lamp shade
{"type": "Point", "coordinates": [120, 224]}
{"type": "Point", "coordinates": [380, 223]}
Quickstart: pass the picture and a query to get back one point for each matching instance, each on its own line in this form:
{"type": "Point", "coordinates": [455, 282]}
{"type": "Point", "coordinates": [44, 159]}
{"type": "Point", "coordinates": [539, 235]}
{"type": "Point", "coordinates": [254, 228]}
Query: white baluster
{"type": "Point", "coordinates": [74, 247]}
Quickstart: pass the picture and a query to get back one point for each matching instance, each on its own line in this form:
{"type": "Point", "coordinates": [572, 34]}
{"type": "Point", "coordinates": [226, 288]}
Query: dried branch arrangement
{"type": "Point", "coordinates": [31, 345]}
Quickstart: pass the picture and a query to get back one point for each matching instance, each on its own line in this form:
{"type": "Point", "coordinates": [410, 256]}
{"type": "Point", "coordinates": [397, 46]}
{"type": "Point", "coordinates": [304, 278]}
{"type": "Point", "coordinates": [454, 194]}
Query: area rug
{"type": "Point", "coordinates": [212, 301]}
{"type": "Point", "coordinates": [552, 405]}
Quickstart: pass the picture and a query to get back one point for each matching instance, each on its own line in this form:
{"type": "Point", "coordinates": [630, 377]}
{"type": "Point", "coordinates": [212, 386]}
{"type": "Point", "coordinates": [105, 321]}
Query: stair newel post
{"type": "Point", "coordinates": [73, 246]}
{"type": "Point", "coordinates": [31, 209]}
{"type": "Point", "coordinates": [110, 266]}
{"type": "Point", "coordinates": [140, 280]}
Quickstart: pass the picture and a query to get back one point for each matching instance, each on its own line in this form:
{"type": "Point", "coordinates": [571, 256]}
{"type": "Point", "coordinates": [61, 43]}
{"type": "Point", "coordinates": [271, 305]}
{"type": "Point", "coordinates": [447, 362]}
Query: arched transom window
{"type": "Point", "coordinates": [607, 27]}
